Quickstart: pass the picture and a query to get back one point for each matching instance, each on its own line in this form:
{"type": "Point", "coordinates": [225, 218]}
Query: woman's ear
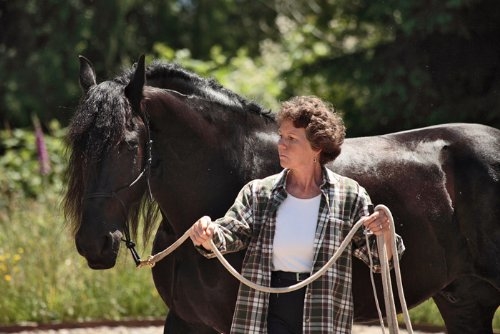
{"type": "Point", "coordinates": [317, 157]}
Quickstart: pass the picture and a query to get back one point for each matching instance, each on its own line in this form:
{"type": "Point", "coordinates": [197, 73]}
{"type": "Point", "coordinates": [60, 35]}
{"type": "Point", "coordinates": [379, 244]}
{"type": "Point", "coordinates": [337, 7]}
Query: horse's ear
{"type": "Point", "coordinates": [87, 74]}
{"type": "Point", "coordinates": [133, 91]}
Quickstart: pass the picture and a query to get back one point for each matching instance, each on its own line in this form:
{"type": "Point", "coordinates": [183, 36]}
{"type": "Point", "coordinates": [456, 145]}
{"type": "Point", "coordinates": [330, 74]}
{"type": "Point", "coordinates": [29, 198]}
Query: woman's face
{"type": "Point", "coordinates": [295, 151]}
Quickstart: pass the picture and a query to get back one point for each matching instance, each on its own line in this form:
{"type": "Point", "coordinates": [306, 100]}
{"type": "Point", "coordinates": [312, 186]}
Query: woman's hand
{"type": "Point", "coordinates": [378, 223]}
{"type": "Point", "coordinates": [202, 232]}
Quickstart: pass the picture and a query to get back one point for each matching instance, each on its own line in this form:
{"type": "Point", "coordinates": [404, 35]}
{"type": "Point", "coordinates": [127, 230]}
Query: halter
{"type": "Point", "coordinates": [146, 170]}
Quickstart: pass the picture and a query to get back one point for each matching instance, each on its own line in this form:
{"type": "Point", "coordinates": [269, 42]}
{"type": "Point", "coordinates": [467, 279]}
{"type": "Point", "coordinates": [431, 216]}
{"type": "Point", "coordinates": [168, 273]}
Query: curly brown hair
{"type": "Point", "coordinates": [324, 127]}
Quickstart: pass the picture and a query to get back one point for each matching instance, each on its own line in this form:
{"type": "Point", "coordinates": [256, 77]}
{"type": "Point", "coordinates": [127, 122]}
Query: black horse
{"type": "Point", "coordinates": [442, 184]}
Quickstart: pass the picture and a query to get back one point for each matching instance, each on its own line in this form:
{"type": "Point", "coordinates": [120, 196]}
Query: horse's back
{"type": "Point", "coordinates": [449, 177]}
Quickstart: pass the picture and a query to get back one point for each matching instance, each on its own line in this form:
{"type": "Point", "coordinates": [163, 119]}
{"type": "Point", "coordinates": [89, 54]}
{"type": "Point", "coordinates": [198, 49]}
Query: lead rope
{"type": "Point", "coordinates": [388, 297]}
{"type": "Point", "coordinates": [390, 306]}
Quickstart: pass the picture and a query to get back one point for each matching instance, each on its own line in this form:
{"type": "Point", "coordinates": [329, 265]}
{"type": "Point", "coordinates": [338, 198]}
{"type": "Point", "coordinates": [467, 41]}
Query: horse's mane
{"type": "Point", "coordinates": [103, 115]}
{"type": "Point", "coordinates": [166, 75]}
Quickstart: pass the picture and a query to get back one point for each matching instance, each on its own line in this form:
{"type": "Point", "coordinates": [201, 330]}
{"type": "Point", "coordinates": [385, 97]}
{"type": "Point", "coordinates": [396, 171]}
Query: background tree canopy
{"type": "Point", "coordinates": [387, 65]}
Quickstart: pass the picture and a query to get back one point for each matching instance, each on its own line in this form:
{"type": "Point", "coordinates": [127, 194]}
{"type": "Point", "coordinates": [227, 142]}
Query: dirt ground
{"type": "Point", "coordinates": [159, 330]}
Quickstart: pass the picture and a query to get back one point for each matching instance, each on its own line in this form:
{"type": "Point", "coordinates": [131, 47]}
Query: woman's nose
{"type": "Point", "coordinates": [281, 142]}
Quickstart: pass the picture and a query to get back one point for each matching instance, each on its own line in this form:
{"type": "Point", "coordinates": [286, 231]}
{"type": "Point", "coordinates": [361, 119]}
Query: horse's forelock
{"type": "Point", "coordinates": [98, 124]}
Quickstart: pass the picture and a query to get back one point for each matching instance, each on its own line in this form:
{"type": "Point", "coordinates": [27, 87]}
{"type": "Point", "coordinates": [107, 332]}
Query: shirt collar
{"type": "Point", "coordinates": [280, 183]}
{"type": "Point", "coordinates": [328, 179]}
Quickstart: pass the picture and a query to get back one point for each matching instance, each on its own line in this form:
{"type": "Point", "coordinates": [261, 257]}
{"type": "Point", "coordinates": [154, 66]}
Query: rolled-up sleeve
{"type": "Point", "coordinates": [234, 230]}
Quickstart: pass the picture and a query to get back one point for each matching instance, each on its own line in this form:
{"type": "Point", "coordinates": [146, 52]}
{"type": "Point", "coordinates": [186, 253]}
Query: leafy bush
{"type": "Point", "coordinates": [21, 175]}
{"type": "Point", "coordinates": [42, 276]}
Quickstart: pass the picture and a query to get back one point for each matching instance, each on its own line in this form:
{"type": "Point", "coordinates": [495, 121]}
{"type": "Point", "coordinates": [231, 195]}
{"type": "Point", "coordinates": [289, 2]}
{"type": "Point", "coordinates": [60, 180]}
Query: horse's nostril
{"type": "Point", "coordinates": [116, 236]}
{"type": "Point", "coordinates": [112, 242]}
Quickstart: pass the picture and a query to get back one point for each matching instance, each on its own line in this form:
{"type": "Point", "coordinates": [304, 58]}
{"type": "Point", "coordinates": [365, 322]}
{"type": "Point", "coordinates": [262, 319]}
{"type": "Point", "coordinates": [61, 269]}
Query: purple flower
{"type": "Point", "coordinates": [43, 155]}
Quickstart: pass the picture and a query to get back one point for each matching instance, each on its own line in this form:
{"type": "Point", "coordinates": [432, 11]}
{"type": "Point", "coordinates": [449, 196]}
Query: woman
{"type": "Point", "coordinates": [291, 224]}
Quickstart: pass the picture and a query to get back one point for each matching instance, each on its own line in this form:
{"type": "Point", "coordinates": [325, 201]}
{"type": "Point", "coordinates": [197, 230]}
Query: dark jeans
{"type": "Point", "coordinates": [285, 309]}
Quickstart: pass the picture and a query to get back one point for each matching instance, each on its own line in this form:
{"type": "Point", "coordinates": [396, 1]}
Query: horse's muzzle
{"type": "Point", "coordinates": [101, 252]}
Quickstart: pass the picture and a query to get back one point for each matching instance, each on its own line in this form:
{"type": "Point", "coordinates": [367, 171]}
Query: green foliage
{"type": "Point", "coordinates": [33, 62]}
{"type": "Point", "coordinates": [426, 313]}
{"type": "Point", "coordinates": [396, 65]}
{"type": "Point", "coordinates": [40, 66]}
{"type": "Point", "coordinates": [258, 78]}
{"type": "Point", "coordinates": [43, 278]}
{"type": "Point", "coordinates": [387, 65]}
{"type": "Point", "coordinates": [21, 177]}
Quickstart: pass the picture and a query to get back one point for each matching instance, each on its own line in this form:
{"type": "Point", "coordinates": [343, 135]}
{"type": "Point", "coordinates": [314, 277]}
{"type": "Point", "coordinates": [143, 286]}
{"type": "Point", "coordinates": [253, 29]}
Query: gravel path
{"type": "Point", "coordinates": [159, 330]}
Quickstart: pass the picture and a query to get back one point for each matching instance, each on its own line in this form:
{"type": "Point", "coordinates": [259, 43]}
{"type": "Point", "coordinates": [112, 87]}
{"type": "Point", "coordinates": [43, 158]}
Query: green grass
{"type": "Point", "coordinates": [43, 278]}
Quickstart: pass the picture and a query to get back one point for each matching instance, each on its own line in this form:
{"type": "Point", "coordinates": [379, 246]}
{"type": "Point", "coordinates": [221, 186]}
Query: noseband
{"type": "Point", "coordinates": [145, 172]}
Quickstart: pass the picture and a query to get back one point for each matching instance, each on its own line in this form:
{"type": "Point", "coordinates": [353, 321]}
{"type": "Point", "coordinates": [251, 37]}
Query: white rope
{"type": "Point", "coordinates": [390, 307]}
{"type": "Point", "coordinates": [386, 281]}
{"type": "Point", "coordinates": [375, 294]}
{"type": "Point", "coordinates": [397, 271]}
{"type": "Point", "coordinates": [296, 286]}
{"type": "Point", "coordinates": [152, 259]}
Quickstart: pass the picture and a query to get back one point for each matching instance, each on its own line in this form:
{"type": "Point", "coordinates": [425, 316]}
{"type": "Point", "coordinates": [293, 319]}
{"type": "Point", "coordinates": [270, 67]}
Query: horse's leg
{"type": "Point", "coordinates": [468, 305]}
{"type": "Point", "coordinates": [175, 325]}
{"type": "Point", "coordinates": [164, 276]}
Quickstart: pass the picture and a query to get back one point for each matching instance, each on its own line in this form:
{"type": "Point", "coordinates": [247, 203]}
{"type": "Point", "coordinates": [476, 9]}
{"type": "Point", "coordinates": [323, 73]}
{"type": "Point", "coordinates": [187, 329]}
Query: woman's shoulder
{"type": "Point", "coordinates": [265, 185]}
{"type": "Point", "coordinates": [267, 182]}
{"type": "Point", "coordinates": [336, 179]}
{"type": "Point", "coordinates": [348, 191]}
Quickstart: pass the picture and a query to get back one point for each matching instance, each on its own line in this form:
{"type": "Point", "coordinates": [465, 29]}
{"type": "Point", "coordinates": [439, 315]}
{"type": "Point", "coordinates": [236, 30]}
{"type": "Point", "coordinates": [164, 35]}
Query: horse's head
{"type": "Point", "coordinates": [109, 165]}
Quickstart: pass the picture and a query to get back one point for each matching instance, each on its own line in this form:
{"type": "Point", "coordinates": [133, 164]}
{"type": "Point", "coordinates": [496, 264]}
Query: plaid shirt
{"type": "Point", "coordinates": [250, 223]}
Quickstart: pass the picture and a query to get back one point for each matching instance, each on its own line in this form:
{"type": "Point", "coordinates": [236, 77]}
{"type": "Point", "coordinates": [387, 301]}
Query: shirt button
{"type": "Point", "coordinates": [307, 320]}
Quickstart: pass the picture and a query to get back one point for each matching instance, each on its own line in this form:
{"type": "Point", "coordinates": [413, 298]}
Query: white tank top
{"type": "Point", "coordinates": [293, 247]}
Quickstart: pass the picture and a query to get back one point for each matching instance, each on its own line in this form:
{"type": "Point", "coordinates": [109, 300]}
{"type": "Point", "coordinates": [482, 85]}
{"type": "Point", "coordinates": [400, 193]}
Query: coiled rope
{"type": "Point", "coordinates": [390, 307]}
